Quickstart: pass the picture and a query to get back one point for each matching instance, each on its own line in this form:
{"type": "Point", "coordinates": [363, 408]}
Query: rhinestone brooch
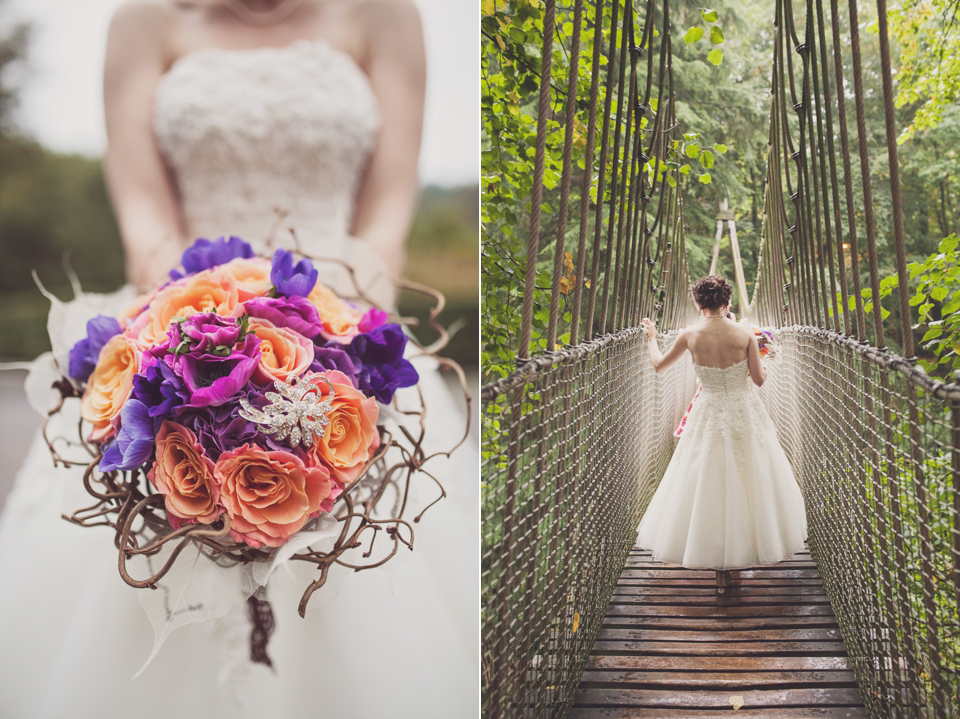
{"type": "Point", "coordinates": [299, 411]}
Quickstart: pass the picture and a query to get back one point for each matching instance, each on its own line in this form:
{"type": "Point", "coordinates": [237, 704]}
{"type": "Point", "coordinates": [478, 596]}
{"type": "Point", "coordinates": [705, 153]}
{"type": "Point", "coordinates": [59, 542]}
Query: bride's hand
{"type": "Point", "coordinates": [649, 327]}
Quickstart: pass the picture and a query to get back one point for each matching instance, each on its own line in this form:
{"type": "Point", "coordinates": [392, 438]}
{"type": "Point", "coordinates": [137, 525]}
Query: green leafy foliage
{"type": "Point", "coordinates": [936, 300]}
{"type": "Point", "coordinates": [929, 73]}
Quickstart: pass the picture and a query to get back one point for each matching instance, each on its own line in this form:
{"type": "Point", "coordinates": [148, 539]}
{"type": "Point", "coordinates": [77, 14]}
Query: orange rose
{"type": "Point", "coordinates": [338, 319]}
{"type": "Point", "coordinates": [351, 438]}
{"type": "Point", "coordinates": [184, 475]}
{"type": "Point", "coordinates": [269, 495]}
{"type": "Point", "coordinates": [252, 276]}
{"type": "Point", "coordinates": [283, 352]}
{"type": "Point", "coordinates": [109, 386]}
{"type": "Point", "coordinates": [207, 291]}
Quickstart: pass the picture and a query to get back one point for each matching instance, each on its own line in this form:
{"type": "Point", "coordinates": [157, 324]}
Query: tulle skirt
{"type": "Point", "coordinates": [728, 498]}
{"type": "Point", "coordinates": [403, 642]}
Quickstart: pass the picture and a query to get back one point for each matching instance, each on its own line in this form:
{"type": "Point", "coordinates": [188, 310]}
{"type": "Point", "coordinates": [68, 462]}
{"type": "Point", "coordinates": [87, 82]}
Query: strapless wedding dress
{"type": "Point", "coordinates": [728, 499]}
{"type": "Point", "coordinates": [249, 133]}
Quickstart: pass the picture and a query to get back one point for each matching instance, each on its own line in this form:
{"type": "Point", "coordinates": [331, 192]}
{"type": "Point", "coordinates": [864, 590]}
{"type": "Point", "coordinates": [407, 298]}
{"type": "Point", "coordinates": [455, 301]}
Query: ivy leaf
{"type": "Point", "coordinates": [705, 178]}
{"type": "Point", "coordinates": [693, 35]}
{"type": "Point", "coordinates": [720, 148]}
{"type": "Point", "coordinates": [715, 56]}
{"type": "Point", "coordinates": [671, 180]}
{"type": "Point", "coordinates": [706, 159]}
{"type": "Point", "coordinates": [716, 35]}
{"type": "Point", "coordinates": [692, 150]}
{"type": "Point", "coordinates": [685, 169]}
{"type": "Point", "coordinates": [709, 15]}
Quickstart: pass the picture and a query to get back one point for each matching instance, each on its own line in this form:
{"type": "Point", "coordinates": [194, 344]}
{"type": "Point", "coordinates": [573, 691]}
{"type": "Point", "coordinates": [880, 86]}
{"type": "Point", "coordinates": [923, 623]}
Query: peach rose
{"type": "Point", "coordinates": [269, 495]}
{"type": "Point", "coordinates": [207, 291]}
{"type": "Point", "coordinates": [283, 352]}
{"type": "Point", "coordinates": [184, 475]}
{"type": "Point", "coordinates": [338, 319]}
{"type": "Point", "coordinates": [251, 274]}
{"type": "Point", "coordinates": [351, 438]}
{"type": "Point", "coordinates": [109, 386]}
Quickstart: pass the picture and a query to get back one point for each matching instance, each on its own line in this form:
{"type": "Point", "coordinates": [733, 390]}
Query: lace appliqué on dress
{"type": "Point", "coordinates": [248, 132]}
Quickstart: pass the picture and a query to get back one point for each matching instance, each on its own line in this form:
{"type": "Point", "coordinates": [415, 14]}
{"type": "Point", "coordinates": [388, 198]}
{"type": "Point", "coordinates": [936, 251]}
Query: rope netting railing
{"type": "Point", "coordinates": [570, 435]}
{"type": "Point", "coordinates": [588, 438]}
{"type": "Point", "coordinates": [875, 445]}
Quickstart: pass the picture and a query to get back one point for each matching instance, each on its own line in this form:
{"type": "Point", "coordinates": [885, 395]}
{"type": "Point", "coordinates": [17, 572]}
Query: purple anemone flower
{"type": "Point", "coordinates": [384, 370]}
{"type": "Point", "coordinates": [214, 378]}
{"type": "Point", "coordinates": [133, 445]}
{"type": "Point", "coordinates": [160, 388]}
{"type": "Point", "coordinates": [84, 355]}
{"type": "Point", "coordinates": [290, 279]}
{"type": "Point", "coordinates": [295, 312]}
{"type": "Point", "coordinates": [333, 356]}
{"type": "Point", "coordinates": [207, 332]}
{"type": "Point", "coordinates": [204, 254]}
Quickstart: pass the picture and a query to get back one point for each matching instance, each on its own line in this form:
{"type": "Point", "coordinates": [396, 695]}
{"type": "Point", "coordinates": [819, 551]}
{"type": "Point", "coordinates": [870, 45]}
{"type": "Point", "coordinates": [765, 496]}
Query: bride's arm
{"type": "Point", "coordinates": [758, 373]}
{"type": "Point", "coordinates": [661, 361]}
{"type": "Point", "coordinates": [396, 66]}
{"type": "Point", "coordinates": [140, 188]}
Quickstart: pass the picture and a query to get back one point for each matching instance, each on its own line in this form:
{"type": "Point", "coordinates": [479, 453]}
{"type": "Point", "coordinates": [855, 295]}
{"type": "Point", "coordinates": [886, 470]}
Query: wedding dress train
{"type": "Point", "coordinates": [728, 499]}
{"type": "Point", "coordinates": [251, 136]}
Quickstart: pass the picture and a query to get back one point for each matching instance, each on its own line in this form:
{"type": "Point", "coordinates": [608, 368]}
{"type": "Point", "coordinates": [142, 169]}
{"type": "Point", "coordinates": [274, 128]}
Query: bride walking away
{"type": "Point", "coordinates": [728, 499]}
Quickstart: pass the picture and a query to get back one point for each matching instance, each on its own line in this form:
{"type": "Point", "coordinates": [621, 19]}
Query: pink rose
{"type": "Point", "coordinates": [207, 291]}
{"type": "Point", "coordinates": [269, 495]}
{"type": "Point", "coordinates": [109, 386]}
{"type": "Point", "coordinates": [252, 276]}
{"type": "Point", "coordinates": [184, 475]}
{"type": "Point", "coordinates": [351, 438]}
{"type": "Point", "coordinates": [283, 352]}
{"type": "Point", "coordinates": [338, 319]}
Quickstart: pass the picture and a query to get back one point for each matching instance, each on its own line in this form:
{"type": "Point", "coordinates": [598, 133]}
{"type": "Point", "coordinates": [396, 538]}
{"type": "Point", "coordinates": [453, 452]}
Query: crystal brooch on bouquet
{"type": "Point", "coordinates": [300, 411]}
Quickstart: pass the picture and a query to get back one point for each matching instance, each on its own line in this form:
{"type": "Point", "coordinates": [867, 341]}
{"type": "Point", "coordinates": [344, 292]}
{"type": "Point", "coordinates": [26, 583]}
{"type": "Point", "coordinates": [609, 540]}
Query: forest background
{"type": "Point", "coordinates": [725, 103]}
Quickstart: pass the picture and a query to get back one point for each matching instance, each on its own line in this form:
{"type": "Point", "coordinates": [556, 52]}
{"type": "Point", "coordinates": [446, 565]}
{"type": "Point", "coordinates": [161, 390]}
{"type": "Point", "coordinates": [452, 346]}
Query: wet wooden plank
{"type": "Point", "coordinates": [711, 623]}
{"type": "Point", "coordinates": [755, 713]}
{"type": "Point", "coordinates": [640, 662]}
{"type": "Point", "coordinates": [705, 699]}
{"type": "Point", "coordinates": [717, 635]}
{"type": "Point", "coordinates": [670, 646]}
{"type": "Point", "coordinates": [606, 678]}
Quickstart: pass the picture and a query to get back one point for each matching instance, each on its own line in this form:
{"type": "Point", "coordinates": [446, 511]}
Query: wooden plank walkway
{"type": "Point", "coordinates": [671, 647]}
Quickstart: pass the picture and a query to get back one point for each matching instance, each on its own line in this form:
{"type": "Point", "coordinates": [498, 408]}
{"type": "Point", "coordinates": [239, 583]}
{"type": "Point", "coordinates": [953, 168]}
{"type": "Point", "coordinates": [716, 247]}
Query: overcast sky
{"type": "Point", "coordinates": [61, 102]}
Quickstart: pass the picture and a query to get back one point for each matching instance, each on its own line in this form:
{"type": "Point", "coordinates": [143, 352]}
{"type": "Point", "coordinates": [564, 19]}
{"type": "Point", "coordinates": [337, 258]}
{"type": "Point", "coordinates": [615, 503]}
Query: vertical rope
{"type": "Point", "coordinates": [573, 77]}
{"type": "Point", "coordinates": [536, 200]}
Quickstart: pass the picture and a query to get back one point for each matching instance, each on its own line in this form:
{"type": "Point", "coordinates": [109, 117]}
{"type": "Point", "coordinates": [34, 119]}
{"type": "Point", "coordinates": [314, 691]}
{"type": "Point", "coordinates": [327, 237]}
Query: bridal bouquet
{"type": "Point", "coordinates": [240, 408]}
{"type": "Point", "coordinates": [243, 389]}
{"type": "Point", "coordinates": [766, 342]}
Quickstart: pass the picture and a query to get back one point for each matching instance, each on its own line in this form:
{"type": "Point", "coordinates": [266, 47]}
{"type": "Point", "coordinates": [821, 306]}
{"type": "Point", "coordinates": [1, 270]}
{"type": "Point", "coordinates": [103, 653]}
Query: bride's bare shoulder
{"type": "Point", "coordinates": [397, 16]}
{"type": "Point", "coordinates": [146, 23]}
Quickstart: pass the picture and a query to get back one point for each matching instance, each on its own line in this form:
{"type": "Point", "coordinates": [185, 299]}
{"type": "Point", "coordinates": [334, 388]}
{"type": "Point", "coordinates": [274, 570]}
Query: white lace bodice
{"type": "Point", "coordinates": [250, 132]}
{"type": "Point", "coordinates": [726, 380]}
{"type": "Point", "coordinates": [729, 407]}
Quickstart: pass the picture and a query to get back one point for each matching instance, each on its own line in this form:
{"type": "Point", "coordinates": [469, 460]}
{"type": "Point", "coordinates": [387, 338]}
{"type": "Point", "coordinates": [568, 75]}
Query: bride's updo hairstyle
{"type": "Point", "coordinates": [712, 292]}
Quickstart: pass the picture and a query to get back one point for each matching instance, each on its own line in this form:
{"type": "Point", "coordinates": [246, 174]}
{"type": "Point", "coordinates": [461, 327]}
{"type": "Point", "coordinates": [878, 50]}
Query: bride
{"type": "Point", "coordinates": [728, 499]}
{"type": "Point", "coordinates": [296, 123]}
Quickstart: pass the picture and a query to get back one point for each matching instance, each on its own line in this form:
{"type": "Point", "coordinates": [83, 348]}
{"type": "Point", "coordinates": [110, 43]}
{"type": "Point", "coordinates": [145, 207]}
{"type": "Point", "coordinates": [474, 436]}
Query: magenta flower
{"type": "Point", "coordinates": [215, 357]}
{"type": "Point", "coordinates": [294, 312]}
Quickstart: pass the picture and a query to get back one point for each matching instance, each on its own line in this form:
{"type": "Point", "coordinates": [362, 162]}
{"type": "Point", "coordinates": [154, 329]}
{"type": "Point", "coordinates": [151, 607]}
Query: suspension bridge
{"type": "Point", "coordinates": [579, 622]}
